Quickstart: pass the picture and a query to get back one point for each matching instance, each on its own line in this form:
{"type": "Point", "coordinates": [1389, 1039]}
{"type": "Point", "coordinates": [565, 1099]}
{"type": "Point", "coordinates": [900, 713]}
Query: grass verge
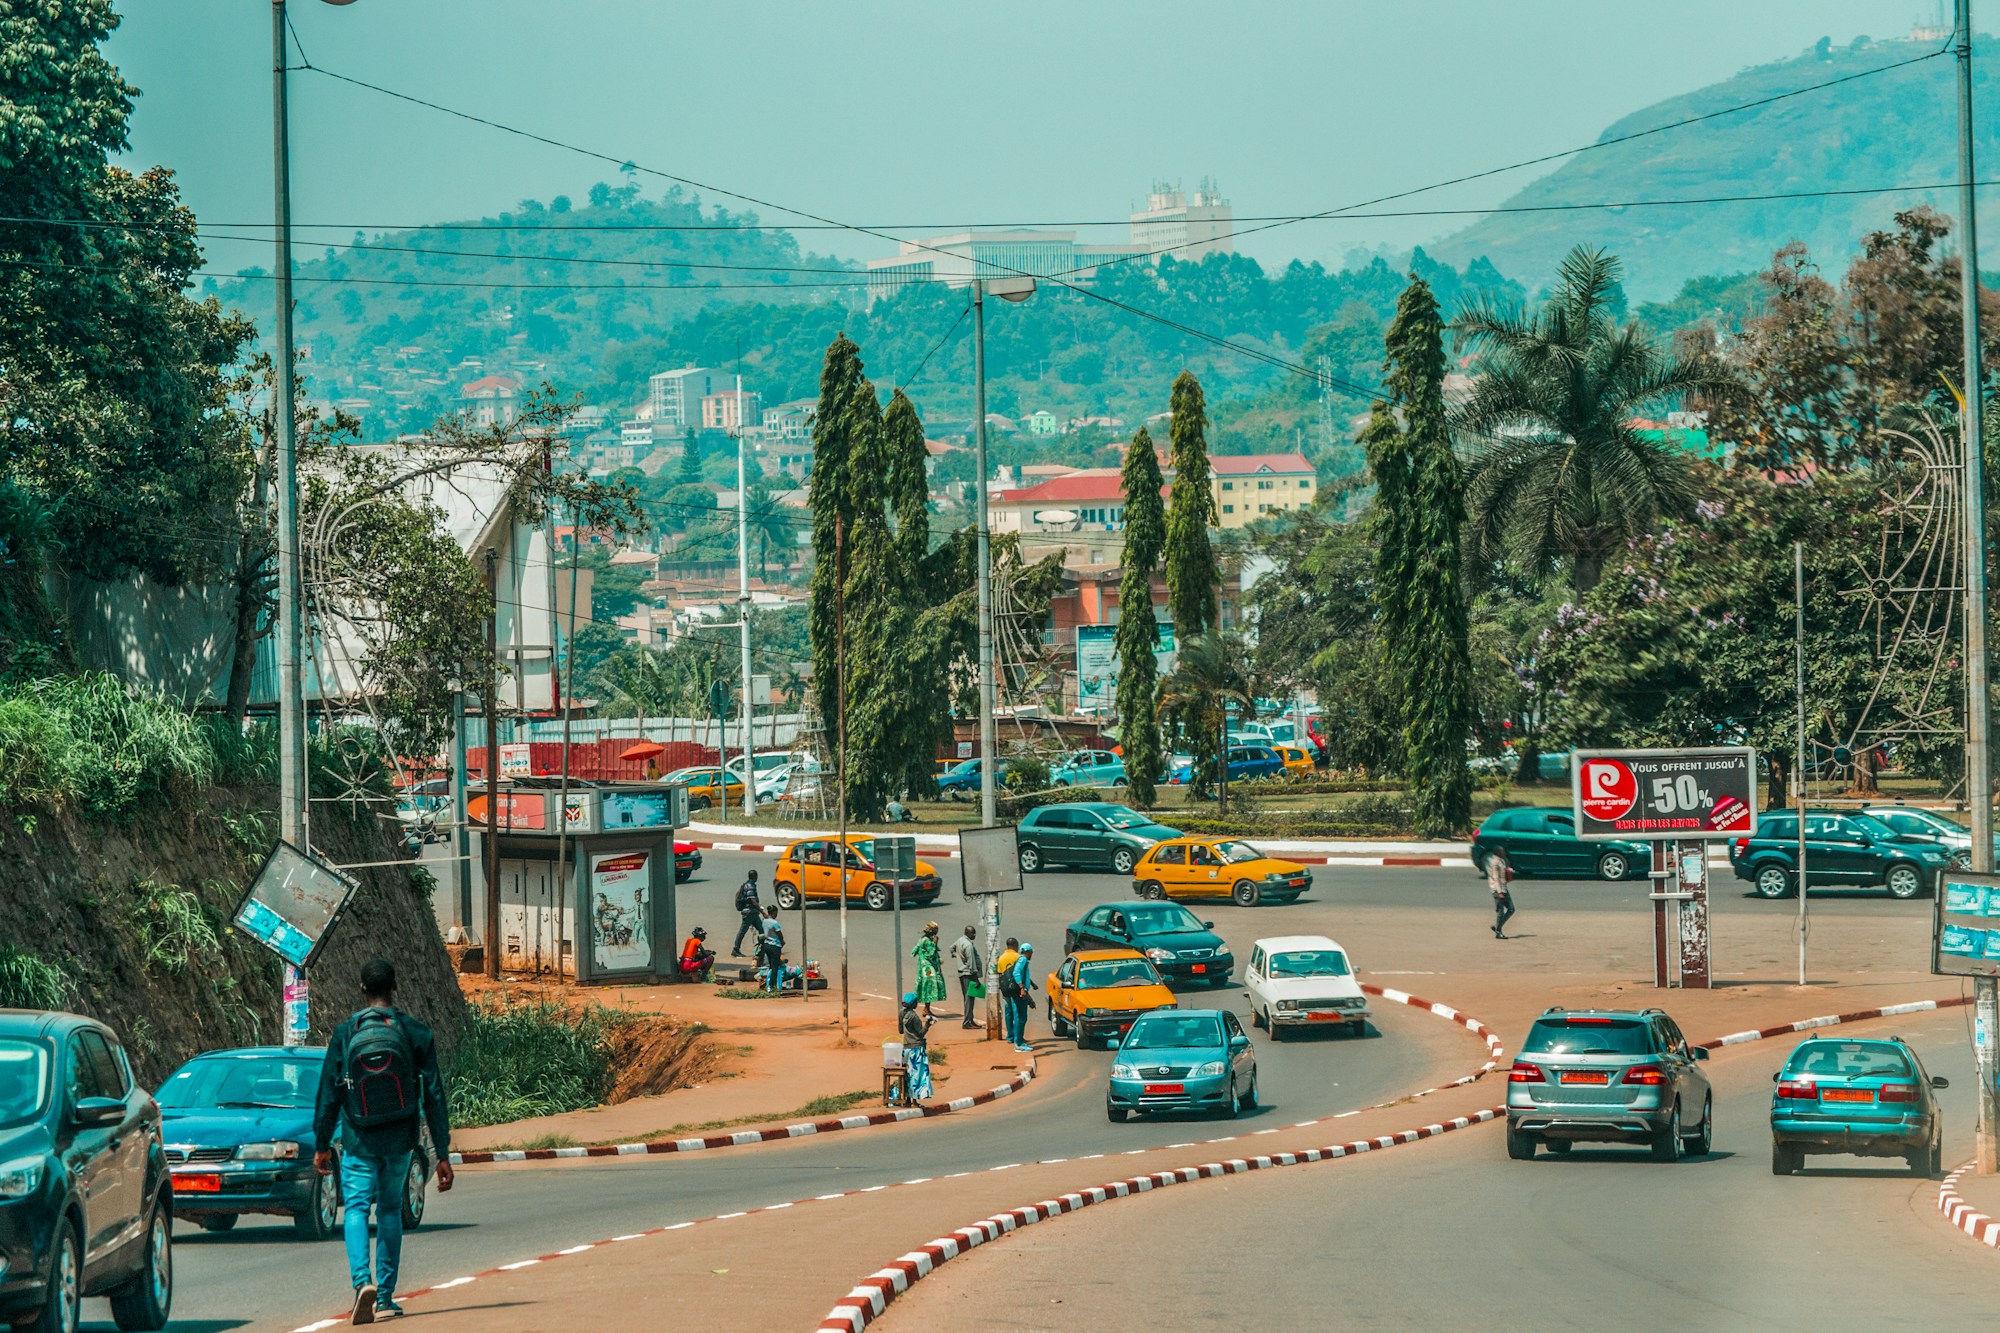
{"type": "Point", "coordinates": [523, 1058]}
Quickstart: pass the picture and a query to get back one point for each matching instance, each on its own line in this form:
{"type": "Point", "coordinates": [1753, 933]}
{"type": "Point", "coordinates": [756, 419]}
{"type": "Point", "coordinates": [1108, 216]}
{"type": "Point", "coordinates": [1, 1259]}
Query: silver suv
{"type": "Point", "coordinates": [1608, 1075]}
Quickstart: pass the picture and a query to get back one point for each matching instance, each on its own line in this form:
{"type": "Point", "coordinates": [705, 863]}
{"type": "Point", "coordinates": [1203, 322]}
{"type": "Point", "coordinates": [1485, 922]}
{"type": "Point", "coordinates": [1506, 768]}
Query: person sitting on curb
{"type": "Point", "coordinates": [379, 1080]}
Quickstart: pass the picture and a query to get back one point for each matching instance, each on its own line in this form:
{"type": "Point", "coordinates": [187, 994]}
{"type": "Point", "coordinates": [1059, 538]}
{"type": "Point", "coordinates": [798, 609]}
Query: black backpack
{"type": "Point", "coordinates": [381, 1073]}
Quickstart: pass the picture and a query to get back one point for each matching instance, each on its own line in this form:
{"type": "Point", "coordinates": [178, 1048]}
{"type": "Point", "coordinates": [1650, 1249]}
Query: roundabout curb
{"type": "Point", "coordinates": [1964, 1216]}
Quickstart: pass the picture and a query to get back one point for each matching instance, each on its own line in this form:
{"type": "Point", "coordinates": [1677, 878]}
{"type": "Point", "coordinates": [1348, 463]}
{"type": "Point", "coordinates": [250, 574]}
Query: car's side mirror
{"type": "Point", "coordinates": [1775, 1074]}
{"type": "Point", "coordinates": [99, 1111]}
{"type": "Point", "coordinates": [1700, 1052]}
{"type": "Point", "coordinates": [1238, 1042]}
{"type": "Point", "coordinates": [1208, 925]}
{"type": "Point", "coordinates": [1940, 1082]}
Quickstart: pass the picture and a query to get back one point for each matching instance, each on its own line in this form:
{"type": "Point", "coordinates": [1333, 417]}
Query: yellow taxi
{"type": "Point", "coordinates": [705, 786]}
{"type": "Point", "coordinates": [1298, 760]}
{"type": "Point", "coordinates": [1097, 994]}
{"type": "Point", "coordinates": [810, 871]}
{"type": "Point", "coordinates": [1182, 868]}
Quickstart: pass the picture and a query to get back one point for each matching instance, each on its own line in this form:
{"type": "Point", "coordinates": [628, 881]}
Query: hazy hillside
{"type": "Point", "coordinates": [1891, 129]}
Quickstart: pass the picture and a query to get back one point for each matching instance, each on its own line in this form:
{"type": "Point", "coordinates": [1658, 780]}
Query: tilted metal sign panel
{"type": "Point", "coordinates": [1965, 925]}
{"type": "Point", "coordinates": [990, 860]}
{"type": "Point", "coordinates": [1646, 795]}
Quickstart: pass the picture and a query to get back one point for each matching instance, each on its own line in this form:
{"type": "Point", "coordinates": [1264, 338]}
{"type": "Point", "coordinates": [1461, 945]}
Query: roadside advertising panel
{"type": "Point", "coordinates": [293, 903]}
{"type": "Point", "coordinates": [1965, 925]}
{"type": "Point", "coordinates": [620, 922]}
{"type": "Point", "coordinates": [1639, 795]}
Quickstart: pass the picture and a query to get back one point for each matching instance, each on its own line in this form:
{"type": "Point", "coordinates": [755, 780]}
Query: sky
{"type": "Point", "coordinates": [922, 116]}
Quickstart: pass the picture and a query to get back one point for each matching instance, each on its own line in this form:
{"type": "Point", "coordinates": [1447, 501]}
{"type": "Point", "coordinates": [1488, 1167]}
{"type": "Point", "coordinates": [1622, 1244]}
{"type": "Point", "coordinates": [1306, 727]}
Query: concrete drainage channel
{"type": "Point", "coordinates": [866, 1302]}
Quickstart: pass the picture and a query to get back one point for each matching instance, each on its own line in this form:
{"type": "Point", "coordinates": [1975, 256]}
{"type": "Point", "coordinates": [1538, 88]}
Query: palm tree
{"type": "Point", "coordinates": [1560, 475]}
{"type": "Point", "coordinates": [771, 525]}
{"type": "Point", "coordinates": [1206, 679]}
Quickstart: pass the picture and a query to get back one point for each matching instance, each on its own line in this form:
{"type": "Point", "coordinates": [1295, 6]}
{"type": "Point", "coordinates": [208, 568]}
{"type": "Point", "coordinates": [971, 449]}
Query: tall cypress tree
{"type": "Point", "coordinates": [880, 622]}
{"type": "Point", "coordinates": [923, 710]}
{"type": "Point", "coordinates": [690, 470]}
{"type": "Point", "coordinates": [1422, 500]}
{"type": "Point", "coordinates": [909, 490]}
{"type": "Point", "coordinates": [835, 427]}
{"type": "Point", "coordinates": [1138, 632]}
{"type": "Point", "coordinates": [1192, 574]}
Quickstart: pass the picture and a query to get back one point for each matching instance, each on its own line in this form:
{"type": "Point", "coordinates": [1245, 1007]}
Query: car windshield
{"type": "Point", "coordinates": [962, 767]}
{"type": "Point", "coordinates": [1167, 920]}
{"type": "Point", "coordinates": [1310, 963]}
{"type": "Point", "coordinates": [1872, 826]}
{"type": "Point", "coordinates": [243, 1082]}
{"type": "Point", "coordinates": [1848, 1059]}
{"type": "Point", "coordinates": [1119, 817]}
{"type": "Point", "coordinates": [1174, 1031]}
{"type": "Point", "coordinates": [1589, 1036]}
{"type": "Point", "coordinates": [1117, 972]}
{"type": "Point", "coordinates": [24, 1080]}
{"type": "Point", "coordinates": [1236, 853]}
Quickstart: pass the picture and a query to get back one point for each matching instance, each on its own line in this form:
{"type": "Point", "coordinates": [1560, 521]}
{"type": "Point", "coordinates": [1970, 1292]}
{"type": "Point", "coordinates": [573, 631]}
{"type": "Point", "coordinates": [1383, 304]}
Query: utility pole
{"type": "Point", "coordinates": [743, 610]}
{"type": "Point", "coordinates": [290, 648]}
{"type": "Point", "coordinates": [1978, 736]}
{"type": "Point", "coordinates": [489, 843]}
{"type": "Point", "coordinates": [1799, 764]}
{"type": "Point", "coordinates": [983, 570]}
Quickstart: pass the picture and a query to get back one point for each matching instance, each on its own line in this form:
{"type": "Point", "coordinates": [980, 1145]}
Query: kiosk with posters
{"type": "Point", "coordinates": [605, 911]}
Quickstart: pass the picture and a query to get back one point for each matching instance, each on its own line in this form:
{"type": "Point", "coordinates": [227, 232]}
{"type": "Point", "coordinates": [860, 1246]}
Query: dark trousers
{"type": "Point", "coordinates": [965, 992]}
{"type": "Point", "coordinates": [773, 963]}
{"type": "Point", "coordinates": [751, 927]}
{"type": "Point", "coordinates": [1503, 908]}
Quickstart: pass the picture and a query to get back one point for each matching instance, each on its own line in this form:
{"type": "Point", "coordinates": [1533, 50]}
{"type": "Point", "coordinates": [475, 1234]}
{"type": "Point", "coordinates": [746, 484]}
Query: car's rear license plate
{"type": "Point", "coordinates": [1158, 1089]}
{"type": "Point", "coordinates": [1846, 1095]}
{"type": "Point", "coordinates": [1199, 967]}
{"type": "Point", "coordinates": [1590, 1076]}
{"type": "Point", "coordinates": [204, 1184]}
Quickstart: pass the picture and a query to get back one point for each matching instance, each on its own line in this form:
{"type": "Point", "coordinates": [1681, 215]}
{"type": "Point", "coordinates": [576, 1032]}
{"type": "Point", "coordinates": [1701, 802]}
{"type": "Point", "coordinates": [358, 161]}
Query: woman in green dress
{"type": "Point", "coordinates": [930, 969]}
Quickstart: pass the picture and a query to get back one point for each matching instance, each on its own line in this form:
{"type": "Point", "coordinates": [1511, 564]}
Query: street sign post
{"type": "Point", "coordinates": [990, 865]}
{"type": "Point", "coordinates": [1679, 801]}
{"type": "Point", "coordinates": [290, 908]}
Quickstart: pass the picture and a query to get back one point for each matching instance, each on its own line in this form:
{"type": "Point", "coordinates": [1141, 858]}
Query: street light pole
{"type": "Point", "coordinates": [1978, 735]}
{"type": "Point", "coordinates": [743, 609]}
{"type": "Point", "coordinates": [983, 561]}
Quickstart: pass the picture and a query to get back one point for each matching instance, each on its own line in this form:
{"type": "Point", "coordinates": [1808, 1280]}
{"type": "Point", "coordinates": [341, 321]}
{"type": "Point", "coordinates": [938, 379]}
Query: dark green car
{"type": "Point", "coordinates": [1095, 835]}
{"type": "Point", "coordinates": [1536, 841]}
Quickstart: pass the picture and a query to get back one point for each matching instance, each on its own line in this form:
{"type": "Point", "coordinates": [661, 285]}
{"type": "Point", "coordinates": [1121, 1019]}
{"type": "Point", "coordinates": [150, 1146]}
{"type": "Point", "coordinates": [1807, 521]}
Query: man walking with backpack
{"type": "Point", "coordinates": [378, 1083]}
{"type": "Point", "coordinates": [750, 913]}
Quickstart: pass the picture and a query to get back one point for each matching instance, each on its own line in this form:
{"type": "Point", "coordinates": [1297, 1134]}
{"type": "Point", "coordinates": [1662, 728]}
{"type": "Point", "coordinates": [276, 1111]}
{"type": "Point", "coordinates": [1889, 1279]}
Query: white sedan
{"type": "Point", "coordinates": [1303, 981]}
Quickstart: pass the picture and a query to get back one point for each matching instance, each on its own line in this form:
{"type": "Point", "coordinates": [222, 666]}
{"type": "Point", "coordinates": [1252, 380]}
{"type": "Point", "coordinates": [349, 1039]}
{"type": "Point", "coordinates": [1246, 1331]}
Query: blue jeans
{"type": "Point", "coordinates": [1017, 1018]}
{"type": "Point", "coordinates": [374, 1183]}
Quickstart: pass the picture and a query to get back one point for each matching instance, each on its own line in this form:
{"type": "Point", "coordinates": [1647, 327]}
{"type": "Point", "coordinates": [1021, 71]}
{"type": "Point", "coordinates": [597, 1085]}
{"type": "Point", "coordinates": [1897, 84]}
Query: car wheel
{"type": "Point", "coordinates": [1031, 858]}
{"type": "Point", "coordinates": [1962, 860]}
{"type": "Point", "coordinates": [1154, 890]}
{"type": "Point", "coordinates": [1667, 1139]}
{"type": "Point", "coordinates": [217, 1222]}
{"type": "Point", "coordinates": [1245, 893]}
{"type": "Point", "coordinates": [1115, 1114]}
{"type": "Point", "coordinates": [700, 803]}
{"type": "Point", "coordinates": [877, 897]}
{"type": "Point", "coordinates": [788, 898]}
{"type": "Point", "coordinates": [1903, 881]}
{"type": "Point", "coordinates": [1257, 1019]}
{"type": "Point", "coordinates": [1785, 1159]}
{"type": "Point", "coordinates": [63, 1308]}
{"type": "Point", "coordinates": [415, 1186]}
{"type": "Point", "coordinates": [1774, 882]}
{"type": "Point", "coordinates": [1119, 782]}
{"type": "Point", "coordinates": [321, 1217]}
{"type": "Point", "coordinates": [1918, 1160]}
{"type": "Point", "coordinates": [1123, 860]}
{"type": "Point", "coordinates": [1698, 1143]}
{"type": "Point", "coordinates": [1235, 1102]}
{"type": "Point", "coordinates": [1613, 866]}
{"type": "Point", "coordinates": [1520, 1145]}
{"type": "Point", "coordinates": [1558, 1147]}
{"type": "Point", "coordinates": [1250, 1097]}
{"type": "Point", "coordinates": [142, 1305]}
{"type": "Point", "coordinates": [1277, 1033]}
{"type": "Point", "coordinates": [1937, 1155]}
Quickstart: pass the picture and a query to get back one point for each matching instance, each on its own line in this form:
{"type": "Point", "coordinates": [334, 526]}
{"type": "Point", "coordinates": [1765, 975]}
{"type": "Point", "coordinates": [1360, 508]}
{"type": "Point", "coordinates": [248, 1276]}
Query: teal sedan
{"type": "Point", "coordinates": [1183, 1060]}
{"type": "Point", "coordinates": [1868, 1098]}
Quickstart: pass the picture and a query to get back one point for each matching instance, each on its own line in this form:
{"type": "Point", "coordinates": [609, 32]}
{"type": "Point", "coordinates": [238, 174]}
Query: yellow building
{"type": "Point", "coordinates": [1249, 486]}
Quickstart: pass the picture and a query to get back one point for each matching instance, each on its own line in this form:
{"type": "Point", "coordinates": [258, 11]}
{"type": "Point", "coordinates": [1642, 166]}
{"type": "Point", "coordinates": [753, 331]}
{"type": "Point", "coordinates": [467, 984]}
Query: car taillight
{"type": "Point", "coordinates": [1649, 1075]}
{"type": "Point", "coordinates": [1896, 1092]}
{"type": "Point", "coordinates": [1802, 1090]}
{"type": "Point", "coordinates": [1737, 848]}
{"type": "Point", "coordinates": [1523, 1072]}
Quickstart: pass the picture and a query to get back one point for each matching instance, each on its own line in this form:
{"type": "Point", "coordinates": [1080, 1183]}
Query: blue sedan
{"type": "Point", "coordinates": [1868, 1098]}
{"type": "Point", "coordinates": [1245, 761]}
{"type": "Point", "coordinates": [1183, 1060]}
{"type": "Point", "coordinates": [238, 1126]}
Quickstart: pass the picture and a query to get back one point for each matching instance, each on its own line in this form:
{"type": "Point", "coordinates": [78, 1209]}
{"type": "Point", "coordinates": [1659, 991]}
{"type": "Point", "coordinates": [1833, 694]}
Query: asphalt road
{"type": "Point", "coordinates": [258, 1273]}
{"type": "Point", "coordinates": [1459, 1236]}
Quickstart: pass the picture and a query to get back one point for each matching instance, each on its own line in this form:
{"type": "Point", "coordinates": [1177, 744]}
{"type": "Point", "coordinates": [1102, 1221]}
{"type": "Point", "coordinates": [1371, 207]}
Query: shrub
{"type": "Point", "coordinates": [28, 982]}
{"type": "Point", "coordinates": [175, 925]}
{"type": "Point", "coordinates": [1014, 804]}
{"type": "Point", "coordinates": [529, 1058]}
{"type": "Point", "coordinates": [91, 743]}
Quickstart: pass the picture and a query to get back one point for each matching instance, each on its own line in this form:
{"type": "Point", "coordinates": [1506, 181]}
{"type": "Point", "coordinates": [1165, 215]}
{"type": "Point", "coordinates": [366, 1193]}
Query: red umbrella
{"type": "Point", "coordinates": [643, 750]}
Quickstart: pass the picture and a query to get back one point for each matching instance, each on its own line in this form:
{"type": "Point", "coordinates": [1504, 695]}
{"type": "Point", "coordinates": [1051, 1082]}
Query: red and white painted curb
{"type": "Point", "coordinates": [1964, 1216]}
{"type": "Point", "coordinates": [746, 1137]}
{"type": "Point", "coordinates": [866, 1302]}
